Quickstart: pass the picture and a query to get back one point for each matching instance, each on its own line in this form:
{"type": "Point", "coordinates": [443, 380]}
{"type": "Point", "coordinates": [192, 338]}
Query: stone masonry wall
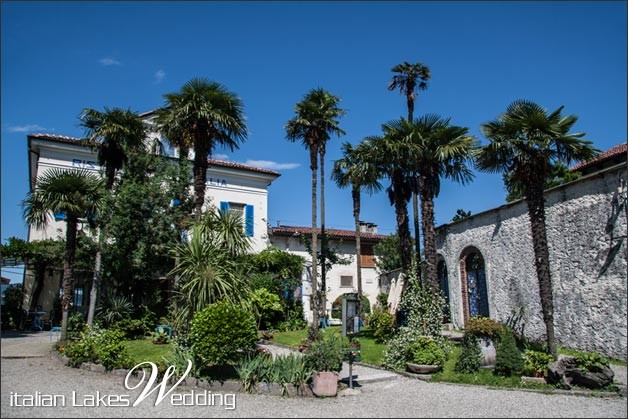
{"type": "Point", "coordinates": [586, 231]}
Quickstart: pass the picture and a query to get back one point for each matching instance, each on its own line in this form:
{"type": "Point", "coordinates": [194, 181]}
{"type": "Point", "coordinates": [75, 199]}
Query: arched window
{"type": "Point", "coordinates": [473, 279]}
{"type": "Point", "coordinates": [444, 288]}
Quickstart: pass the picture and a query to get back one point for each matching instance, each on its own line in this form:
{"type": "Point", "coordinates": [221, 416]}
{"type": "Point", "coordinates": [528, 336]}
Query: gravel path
{"type": "Point", "coordinates": [402, 397]}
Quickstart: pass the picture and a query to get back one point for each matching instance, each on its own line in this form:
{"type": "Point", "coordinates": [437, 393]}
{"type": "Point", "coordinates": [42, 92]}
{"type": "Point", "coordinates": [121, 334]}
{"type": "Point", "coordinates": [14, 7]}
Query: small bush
{"type": "Point", "coordinates": [103, 346]}
{"type": "Point", "coordinates": [295, 320]}
{"type": "Point", "coordinates": [160, 336]}
{"type": "Point", "coordinates": [131, 328]}
{"type": "Point", "coordinates": [222, 333]}
{"type": "Point", "coordinates": [148, 318]}
{"type": "Point", "coordinates": [115, 308]}
{"type": "Point", "coordinates": [591, 362]}
{"type": "Point", "coordinates": [266, 307]}
{"type": "Point", "coordinates": [470, 356]}
{"type": "Point", "coordinates": [382, 300]}
{"type": "Point", "coordinates": [508, 357]}
{"type": "Point", "coordinates": [536, 363]}
{"type": "Point", "coordinates": [399, 350]}
{"type": "Point", "coordinates": [382, 324]}
{"type": "Point", "coordinates": [484, 327]}
{"type": "Point", "coordinates": [325, 354]}
{"type": "Point", "coordinates": [426, 351]}
{"type": "Point", "coordinates": [76, 325]}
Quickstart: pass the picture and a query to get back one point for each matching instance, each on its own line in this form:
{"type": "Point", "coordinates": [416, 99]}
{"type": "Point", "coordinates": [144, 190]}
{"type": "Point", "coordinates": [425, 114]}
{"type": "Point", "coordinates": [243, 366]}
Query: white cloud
{"type": "Point", "coordinates": [108, 61]}
{"type": "Point", "coordinates": [27, 128]}
{"type": "Point", "coordinates": [265, 164]}
{"type": "Point", "coordinates": [160, 75]}
{"type": "Point", "coordinates": [220, 157]}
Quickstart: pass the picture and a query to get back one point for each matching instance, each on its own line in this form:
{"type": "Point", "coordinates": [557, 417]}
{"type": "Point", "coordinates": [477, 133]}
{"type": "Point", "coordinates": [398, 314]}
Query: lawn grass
{"type": "Point", "coordinates": [144, 350]}
{"type": "Point", "coordinates": [372, 352]}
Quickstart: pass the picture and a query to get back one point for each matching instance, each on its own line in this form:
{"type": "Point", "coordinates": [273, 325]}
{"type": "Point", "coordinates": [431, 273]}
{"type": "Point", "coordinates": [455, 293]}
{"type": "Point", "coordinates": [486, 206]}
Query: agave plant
{"type": "Point", "coordinates": [115, 308]}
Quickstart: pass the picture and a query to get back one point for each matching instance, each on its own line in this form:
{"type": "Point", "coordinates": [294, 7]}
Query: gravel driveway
{"type": "Point", "coordinates": [402, 398]}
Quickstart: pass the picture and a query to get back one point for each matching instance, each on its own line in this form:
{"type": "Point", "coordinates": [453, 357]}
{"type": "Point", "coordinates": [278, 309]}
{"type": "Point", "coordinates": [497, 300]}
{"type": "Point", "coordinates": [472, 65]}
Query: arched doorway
{"type": "Point", "coordinates": [473, 279]}
{"type": "Point", "coordinates": [443, 282]}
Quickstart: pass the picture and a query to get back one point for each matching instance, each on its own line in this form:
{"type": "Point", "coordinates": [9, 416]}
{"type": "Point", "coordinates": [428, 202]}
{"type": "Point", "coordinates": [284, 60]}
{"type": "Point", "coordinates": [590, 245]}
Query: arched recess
{"type": "Point", "coordinates": [473, 283]}
{"type": "Point", "coordinates": [443, 282]}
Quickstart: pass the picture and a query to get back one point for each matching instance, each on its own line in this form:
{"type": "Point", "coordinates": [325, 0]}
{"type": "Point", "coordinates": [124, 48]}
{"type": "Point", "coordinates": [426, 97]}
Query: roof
{"type": "Point", "coordinates": [334, 233]}
{"type": "Point", "coordinates": [610, 155]}
{"type": "Point", "coordinates": [213, 162]}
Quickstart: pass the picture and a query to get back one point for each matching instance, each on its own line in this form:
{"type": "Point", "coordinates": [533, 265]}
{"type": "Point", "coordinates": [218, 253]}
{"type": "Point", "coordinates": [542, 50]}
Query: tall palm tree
{"type": "Point", "coordinates": [524, 142]}
{"type": "Point", "coordinates": [115, 132]}
{"type": "Point", "coordinates": [356, 171]}
{"type": "Point", "coordinates": [409, 80]}
{"type": "Point", "coordinates": [316, 120]}
{"type": "Point", "coordinates": [76, 194]}
{"type": "Point", "coordinates": [199, 117]}
{"type": "Point", "coordinates": [442, 150]}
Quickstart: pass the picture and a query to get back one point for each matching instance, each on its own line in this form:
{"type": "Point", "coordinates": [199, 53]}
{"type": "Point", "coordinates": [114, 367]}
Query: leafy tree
{"type": "Point", "coordinates": [559, 174]}
{"type": "Point", "coordinates": [76, 194]}
{"type": "Point", "coordinates": [266, 306]}
{"type": "Point", "coordinates": [409, 80]}
{"type": "Point", "coordinates": [201, 116]}
{"type": "Point", "coordinates": [355, 171]}
{"type": "Point", "coordinates": [461, 215]}
{"type": "Point", "coordinates": [387, 254]}
{"type": "Point", "coordinates": [316, 120]}
{"type": "Point", "coordinates": [524, 143]}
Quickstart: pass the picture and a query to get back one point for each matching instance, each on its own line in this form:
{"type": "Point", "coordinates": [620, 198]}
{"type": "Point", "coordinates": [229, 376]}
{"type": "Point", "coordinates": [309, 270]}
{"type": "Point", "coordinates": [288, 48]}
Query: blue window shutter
{"type": "Point", "coordinates": [224, 206]}
{"type": "Point", "coordinates": [59, 216]}
{"type": "Point", "coordinates": [249, 223]}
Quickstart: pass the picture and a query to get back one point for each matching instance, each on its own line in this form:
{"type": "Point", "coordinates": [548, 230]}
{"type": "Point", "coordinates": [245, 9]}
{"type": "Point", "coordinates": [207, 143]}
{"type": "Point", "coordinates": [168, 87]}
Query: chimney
{"type": "Point", "coordinates": [366, 227]}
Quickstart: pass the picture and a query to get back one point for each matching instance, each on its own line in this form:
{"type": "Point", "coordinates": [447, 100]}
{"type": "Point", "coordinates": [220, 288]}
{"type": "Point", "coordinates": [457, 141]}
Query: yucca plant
{"type": "Point", "coordinates": [115, 308]}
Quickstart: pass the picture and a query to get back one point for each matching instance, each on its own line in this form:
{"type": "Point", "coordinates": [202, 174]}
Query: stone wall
{"type": "Point", "coordinates": [586, 231]}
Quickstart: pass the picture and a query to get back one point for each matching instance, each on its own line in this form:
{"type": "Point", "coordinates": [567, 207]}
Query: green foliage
{"type": "Point", "coordinates": [284, 370]}
{"type": "Point", "coordinates": [426, 351]}
{"type": "Point", "coordinates": [148, 318]}
{"type": "Point", "coordinates": [115, 308]}
{"type": "Point", "coordinates": [591, 362]}
{"type": "Point", "coordinates": [484, 327]}
{"type": "Point", "coordinates": [160, 336]}
{"type": "Point", "coordinates": [266, 306]}
{"type": "Point", "coordinates": [559, 174]}
{"type": "Point", "coordinates": [382, 300]}
{"type": "Point", "coordinates": [76, 325]}
{"type": "Point", "coordinates": [382, 324]}
{"type": "Point", "coordinates": [250, 369]}
{"type": "Point", "coordinates": [181, 353]}
{"type": "Point", "coordinates": [461, 215]}
{"type": "Point", "coordinates": [508, 357]}
{"type": "Point", "coordinates": [12, 307]}
{"type": "Point", "coordinates": [295, 319]}
{"type": "Point", "coordinates": [130, 328]}
{"type": "Point", "coordinates": [96, 345]}
{"type": "Point", "coordinates": [399, 350]}
{"type": "Point", "coordinates": [536, 363]}
{"type": "Point", "coordinates": [284, 267]}
{"type": "Point", "coordinates": [387, 254]}
{"type": "Point", "coordinates": [222, 332]}
{"type": "Point", "coordinates": [471, 355]}
{"type": "Point", "coordinates": [423, 309]}
{"type": "Point", "coordinates": [325, 354]}
{"type": "Point", "coordinates": [336, 306]}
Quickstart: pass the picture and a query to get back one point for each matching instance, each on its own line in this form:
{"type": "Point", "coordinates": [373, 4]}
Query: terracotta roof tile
{"type": "Point", "coordinates": [334, 233]}
{"type": "Point", "coordinates": [608, 154]}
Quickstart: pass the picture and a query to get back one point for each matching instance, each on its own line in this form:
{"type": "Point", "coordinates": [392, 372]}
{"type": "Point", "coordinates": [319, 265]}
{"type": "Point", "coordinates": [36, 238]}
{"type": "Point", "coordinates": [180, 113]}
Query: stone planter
{"type": "Point", "coordinates": [325, 383]}
{"type": "Point", "coordinates": [487, 348]}
{"type": "Point", "coordinates": [423, 369]}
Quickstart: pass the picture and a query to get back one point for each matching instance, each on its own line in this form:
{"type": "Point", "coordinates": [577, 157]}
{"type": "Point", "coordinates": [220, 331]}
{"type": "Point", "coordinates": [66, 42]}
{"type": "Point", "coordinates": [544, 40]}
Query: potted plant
{"type": "Point", "coordinates": [324, 357]}
{"type": "Point", "coordinates": [160, 336]}
{"type": "Point", "coordinates": [427, 356]}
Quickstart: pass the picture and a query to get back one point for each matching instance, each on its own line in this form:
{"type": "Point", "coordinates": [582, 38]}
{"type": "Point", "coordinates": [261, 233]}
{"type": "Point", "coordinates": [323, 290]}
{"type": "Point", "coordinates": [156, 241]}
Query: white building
{"type": "Point", "coordinates": [341, 279]}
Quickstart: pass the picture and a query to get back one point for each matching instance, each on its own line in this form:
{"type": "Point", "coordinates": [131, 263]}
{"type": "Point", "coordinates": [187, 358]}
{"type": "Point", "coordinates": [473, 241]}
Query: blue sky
{"type": "Point", "coordinates": [59, 57]}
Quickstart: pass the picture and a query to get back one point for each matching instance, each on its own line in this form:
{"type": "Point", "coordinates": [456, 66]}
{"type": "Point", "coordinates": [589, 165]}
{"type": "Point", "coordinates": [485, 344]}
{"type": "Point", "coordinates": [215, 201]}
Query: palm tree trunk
{"type": "Point", "coordinates": [315, 293]}
{"type": "Point", "coordinates": [93, 294]}
{"type": "Point", "coordinates": [417, 233]}
{"type": "Point", "coordinates": [403, 227]}
{"type": "Point", "coordinates": [40, 270]}
{"type": "Point", "coordinates": [536, 211]}
{"type": "Point", "coordinates": [68, 274]}
{"type": "Point", "coordinates": [429, 235]}
{"type": "Point", "coordinates": [410, 103]}
{"type": "Point", "coordinates": [323, 236]}
{"type": "Point", "coordinates": [200, 175]}
{"type": "Point", "coordinates": [355, 194]}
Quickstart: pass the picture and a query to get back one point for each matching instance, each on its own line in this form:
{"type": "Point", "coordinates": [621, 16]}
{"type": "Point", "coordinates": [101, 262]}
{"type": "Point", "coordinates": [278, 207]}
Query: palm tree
{"type": "Point", "coordinates": [442, 150]}
{"type": "Point", "coordinates": [524, 143]}
{"type": "Point", "coordinates": [76, 194]}
{"type": "Point", "coordinates": [202, 115]}
{"type": "Point", "coordinates": [410, 79]}
{"type": "Point", "coordinates": [115, 132]}
{"type": "Point", "coordinates": [315, 121]}
{"type": "Point", "coordinates": [355, 171]}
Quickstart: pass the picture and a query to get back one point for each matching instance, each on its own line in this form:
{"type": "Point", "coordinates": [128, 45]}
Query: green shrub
{"type": "Point", "coordinates": [148, 318]}
{"type": "Point", "coordinates": [423, 309]}
{"type": "Point", "coordinates": [160, 336]}
{"type": "Point", "coordinates": [115, 308]}
{"type": "Point", "coordinates": [295, 320]}
{"type": "Point", "coordinates": [266, 307]}
{"type": "Point", "coordinates": [484, 327]}
{"type": "Point", "coordinates": [325, 354]}
{"type": "Point", "coordinates": [179, 359]}
{"type": "Point", "coordinates": [382, 300]}
{"type": "Point", "coordinates": [536, 363]}
{"type": "Point", "coordinates": [222, 333]}
{"type": "Point", "coordinates": [399, 350]}
{"type": "Point", "coordinates": [382, 324]}
{"type": "Point", "coordinates": [470, 356]}
{"type": "Point", "coordinates": [426, 351]}
{"type": "Point", "coordinates": [102, 346]}
{"type": "Point", "coordinates": [76, 325]}
{"type": "Point", "coordinates": [131, 328]}
{"type": "Point", "coordinates": [250, 370]}
{"type": "Point", "coordinates": [591, 362]}
{"type": "Point", "coordinates": [508, 357]}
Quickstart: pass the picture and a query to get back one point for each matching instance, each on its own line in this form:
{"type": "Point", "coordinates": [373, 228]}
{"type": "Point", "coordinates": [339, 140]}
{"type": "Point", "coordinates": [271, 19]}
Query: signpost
{"type": "Point", "coordinates": [350, 327]}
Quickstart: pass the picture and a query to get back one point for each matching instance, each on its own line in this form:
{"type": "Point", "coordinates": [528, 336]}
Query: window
{"type": "Point", "coordinates": [346, 281]}
{"type": "Point", "coordinates": [367, 258]}
{"type": "Point", "coordinates": [78, 297]}
{"type": "Point", "coordinates": [245, 211]}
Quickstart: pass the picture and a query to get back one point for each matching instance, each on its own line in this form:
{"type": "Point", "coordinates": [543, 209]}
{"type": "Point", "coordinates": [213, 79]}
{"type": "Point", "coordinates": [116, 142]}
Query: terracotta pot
{"type": "Point", "coordinates": [325, 383]}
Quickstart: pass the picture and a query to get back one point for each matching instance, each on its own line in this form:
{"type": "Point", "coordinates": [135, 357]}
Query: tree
{"type": "Point", "coordinates": [76, 194]}
{"type": "Point", "coordinates": [355, 171]}
{"type": "Point", "coordinates": [410, 79]}
{"type": "Point", "coordinates": [559, 174]}
{"type": "Point", "coordinates": [387, 253]}
{"type": "Point", "coordinates": [524, 143]}
{"type": "Point", "coordinates": [316, 120]}
{"type": "Point", "coordinates": [115, 132]}
{"type": "Point", "coordinates": [461, 215]}
{"type": "Point", "coordinates": [201, 116]}
{"type": "Point", "coordinates": [441, 150]}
